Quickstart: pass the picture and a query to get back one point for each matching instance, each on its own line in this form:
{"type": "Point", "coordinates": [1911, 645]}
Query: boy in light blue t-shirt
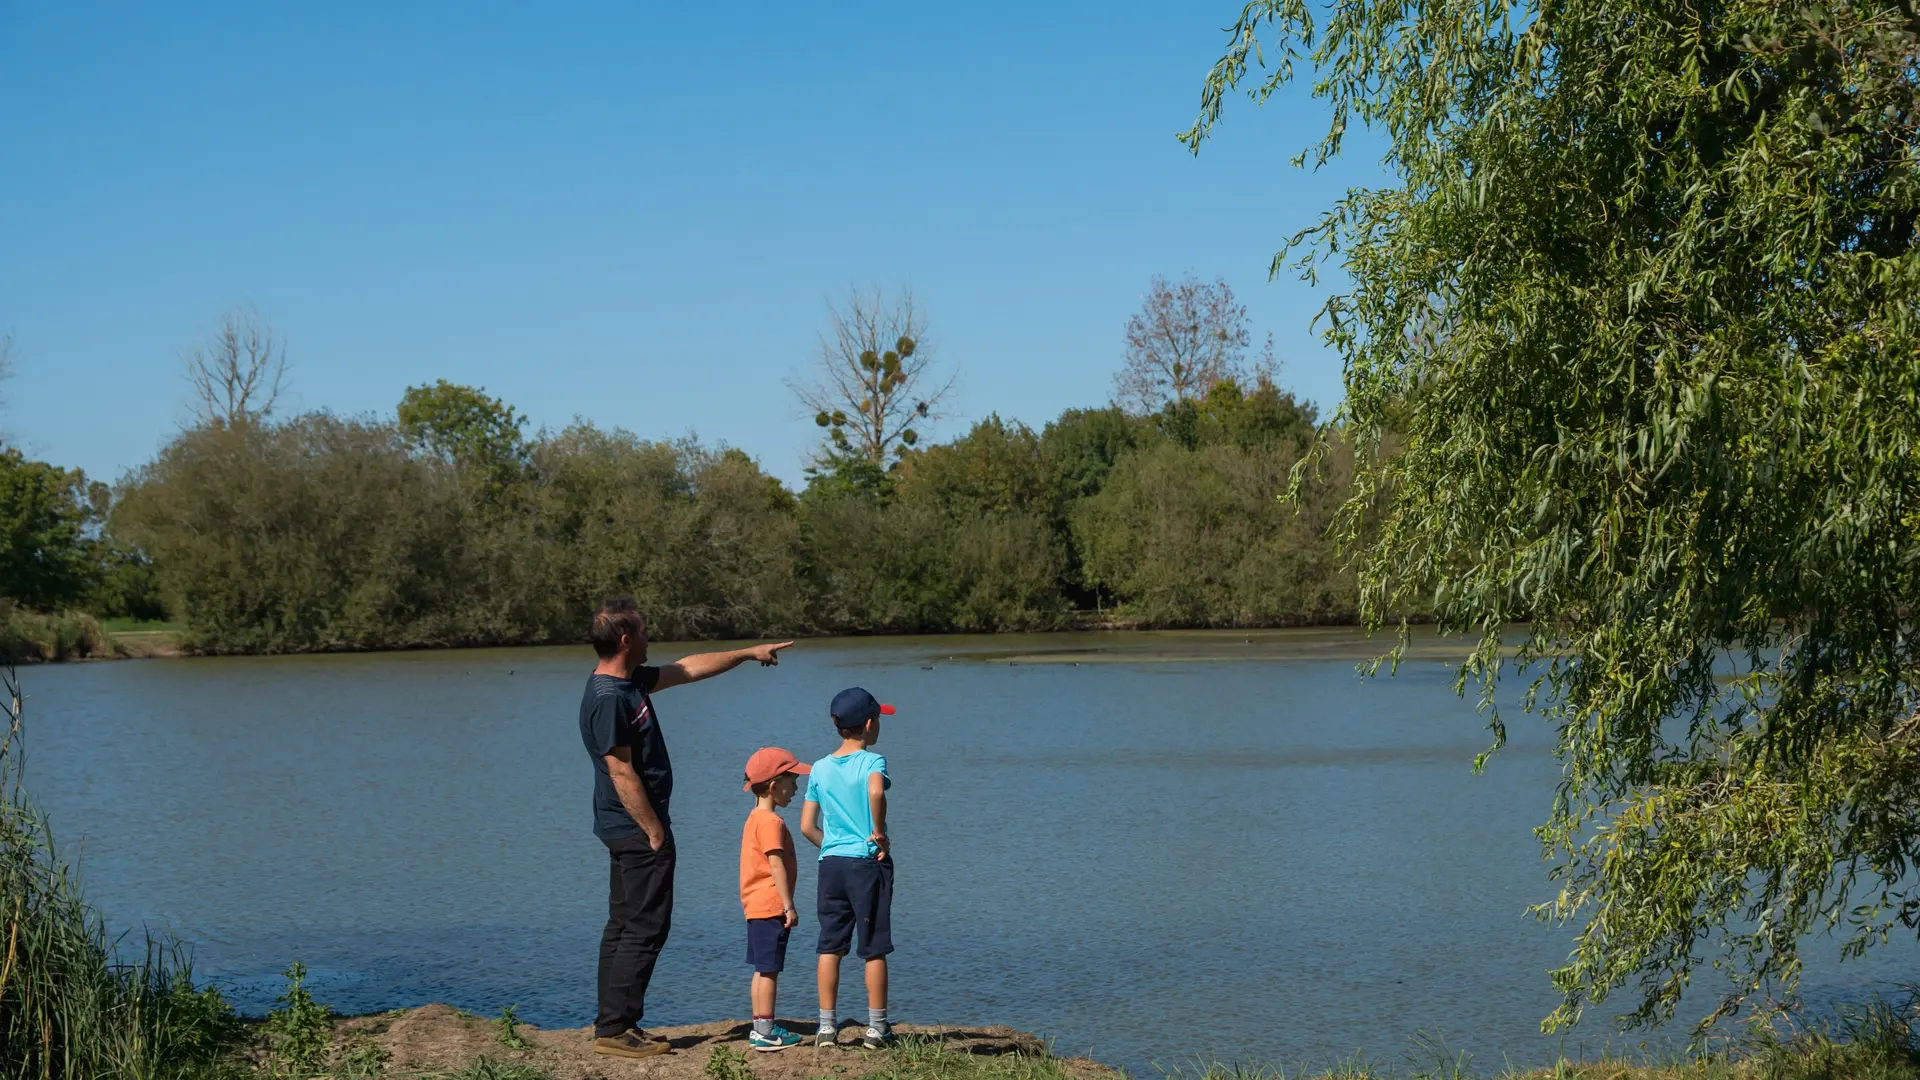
{"type": "Point", "coordinates": [845, 815]}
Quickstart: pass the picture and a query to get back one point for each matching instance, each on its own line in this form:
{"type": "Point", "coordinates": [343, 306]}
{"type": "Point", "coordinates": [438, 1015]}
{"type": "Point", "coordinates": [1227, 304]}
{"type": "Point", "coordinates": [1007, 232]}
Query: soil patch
{"type": "Point", "coordinates": [439, 1038]}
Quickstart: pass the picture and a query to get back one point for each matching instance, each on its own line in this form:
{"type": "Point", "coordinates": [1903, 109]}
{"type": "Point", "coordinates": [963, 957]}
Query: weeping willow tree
{"type": "Point", "coordinates": [1638, 307]}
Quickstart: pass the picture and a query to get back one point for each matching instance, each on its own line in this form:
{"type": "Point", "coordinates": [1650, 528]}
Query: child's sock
{"type": "Point", "coordinates": [763, 1026]}
{"type": "Point", "coordinates": [877, 1020]}
{"type": "Point", "coordinates": [828, 1021]}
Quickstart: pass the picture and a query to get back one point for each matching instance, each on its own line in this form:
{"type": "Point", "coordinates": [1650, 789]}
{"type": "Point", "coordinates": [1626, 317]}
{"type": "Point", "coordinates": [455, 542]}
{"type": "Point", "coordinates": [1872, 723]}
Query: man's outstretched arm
{"type": "Point", "coordinates": [706, 665]}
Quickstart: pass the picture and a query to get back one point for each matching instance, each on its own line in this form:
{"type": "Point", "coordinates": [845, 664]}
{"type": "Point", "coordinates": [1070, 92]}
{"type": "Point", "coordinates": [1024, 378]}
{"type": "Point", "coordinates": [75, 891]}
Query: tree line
{"type": "Point", "coordinates": [447, 523]}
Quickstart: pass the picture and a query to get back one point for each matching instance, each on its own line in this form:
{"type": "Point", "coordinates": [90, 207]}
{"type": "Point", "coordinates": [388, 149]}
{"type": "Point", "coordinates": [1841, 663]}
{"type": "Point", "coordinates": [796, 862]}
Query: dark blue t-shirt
{"type": "Point", "coordinates": [618, 712]}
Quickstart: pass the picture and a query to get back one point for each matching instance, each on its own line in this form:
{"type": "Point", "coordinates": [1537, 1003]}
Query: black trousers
{"type": "Point", "coordinates": [639, 914]}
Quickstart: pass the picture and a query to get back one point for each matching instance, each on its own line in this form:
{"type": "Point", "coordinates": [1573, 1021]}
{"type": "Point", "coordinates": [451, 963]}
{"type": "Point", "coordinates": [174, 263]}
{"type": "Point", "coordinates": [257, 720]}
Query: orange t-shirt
{"type": "Point", "coordinates": [758, 895]}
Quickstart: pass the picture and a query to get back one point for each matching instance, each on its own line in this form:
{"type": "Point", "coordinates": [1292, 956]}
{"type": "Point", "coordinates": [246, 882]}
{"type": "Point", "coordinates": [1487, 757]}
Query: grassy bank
{"type": "Point", "coordinates": [436, 1042]}
{"type": "Point", "coordinates": [28, 637]}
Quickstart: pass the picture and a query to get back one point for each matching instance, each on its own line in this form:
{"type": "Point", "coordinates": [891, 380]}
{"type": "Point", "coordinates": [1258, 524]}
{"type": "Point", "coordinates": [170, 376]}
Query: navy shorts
{"type": "Point", "coordinates": [767, 944]}
{"type": "Point", "coordinates": [856, 892]}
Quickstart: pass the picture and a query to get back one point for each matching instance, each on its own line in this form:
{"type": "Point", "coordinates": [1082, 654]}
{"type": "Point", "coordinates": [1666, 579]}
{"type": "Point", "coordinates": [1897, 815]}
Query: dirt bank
{"type": "Point", "coordinates": [437, 1037]}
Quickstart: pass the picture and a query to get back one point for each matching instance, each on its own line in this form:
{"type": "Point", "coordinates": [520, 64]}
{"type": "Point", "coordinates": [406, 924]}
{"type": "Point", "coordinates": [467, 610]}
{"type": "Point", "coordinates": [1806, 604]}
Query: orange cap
{"type": "Point", "coordinates": [769, 762]}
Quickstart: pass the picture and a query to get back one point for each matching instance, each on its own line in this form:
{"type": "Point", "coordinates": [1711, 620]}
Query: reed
{"type": "Point", "coordinates": [67, 635]}
{"type": "Point", "coordinates": [72, 1004]}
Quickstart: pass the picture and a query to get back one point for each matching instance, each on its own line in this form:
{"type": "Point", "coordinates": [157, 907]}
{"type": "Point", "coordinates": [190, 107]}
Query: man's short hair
{"type": "Point", "coordinates": [617, 618]}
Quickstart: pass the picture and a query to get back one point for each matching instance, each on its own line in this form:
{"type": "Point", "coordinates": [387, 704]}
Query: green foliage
{"type": "Point", "coordinates": [68, 635]}
{"type": "Point", "coordinates": [461, 424]}
{"type": "Point", "coordinates": [126, 586]}
{"type": "Point", "coordinates": [838, 474]}
{"type": "Point", "coordinates": [362, 1059]}
{"type": "Point", "coordinates": [1641, 308]}
{"type": "Point", "coordinates": [1227, 415]}
{"type": "Point", "coordinates": [704, 540]}
{"type": "Point", "coordinates": [317, 532]}
{"type": "Point", "coordinates": [872, 568]}
{"type": "Point", "coordinates": [320, 533]}
{"type": "Point", "coordinates": [726, 1063]}
{"type": "Point", "coordinates": [970, 540]}
{"type": "Point", "coordinates": [300, 1031]}
{"type": "Point", "coordinates": [995, 468]}
{"type": "Point", "coordinates": [507, 1031]}
{"type": "Point", "coordinates": [919, 1057]}
{"type": "Point", "coordinates": [46, 517]}
{"type": "Point", "coordinates": [1083, 445]}
{"type": "Point", "coordinates": [1202, 538]}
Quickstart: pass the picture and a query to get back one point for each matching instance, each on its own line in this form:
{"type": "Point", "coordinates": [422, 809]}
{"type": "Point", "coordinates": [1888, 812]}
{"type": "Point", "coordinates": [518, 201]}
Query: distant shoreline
{"type": "Point", "coordinates": [168, 644]}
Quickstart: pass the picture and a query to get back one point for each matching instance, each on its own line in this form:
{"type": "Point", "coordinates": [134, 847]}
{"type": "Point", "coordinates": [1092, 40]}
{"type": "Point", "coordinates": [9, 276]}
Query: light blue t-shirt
{"type": "Point", "coordinates": [839, 785]}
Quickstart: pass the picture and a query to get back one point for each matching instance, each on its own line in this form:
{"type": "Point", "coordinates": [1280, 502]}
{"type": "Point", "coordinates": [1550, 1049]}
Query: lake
{"type": "Point", "coordinates": [1148, 847]}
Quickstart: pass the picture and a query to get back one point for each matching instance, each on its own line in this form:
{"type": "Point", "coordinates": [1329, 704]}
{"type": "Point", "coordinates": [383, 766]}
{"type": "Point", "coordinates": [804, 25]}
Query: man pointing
{"type": "Point", "coordinates": [632, 789]}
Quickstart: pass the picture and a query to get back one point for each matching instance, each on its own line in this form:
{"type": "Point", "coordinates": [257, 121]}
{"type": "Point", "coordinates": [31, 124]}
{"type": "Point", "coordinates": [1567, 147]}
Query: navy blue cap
{"type": "Point", "coordinates": [854, 706]}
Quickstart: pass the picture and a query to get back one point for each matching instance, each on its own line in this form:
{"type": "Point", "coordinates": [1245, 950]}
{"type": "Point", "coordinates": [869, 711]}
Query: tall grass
{"type": "Point", "coordinates": [1873, 1042]}
{"type": "Point", "coordinates": [70, 1005]}
{"type": "Point", "coordinates": [67, 635]}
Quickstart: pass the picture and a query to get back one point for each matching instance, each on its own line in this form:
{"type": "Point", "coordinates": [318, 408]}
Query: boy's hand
{"type": "Point", "coordinates": [879, 842]}
{"type": "Point", "coordinates": [793, 918]}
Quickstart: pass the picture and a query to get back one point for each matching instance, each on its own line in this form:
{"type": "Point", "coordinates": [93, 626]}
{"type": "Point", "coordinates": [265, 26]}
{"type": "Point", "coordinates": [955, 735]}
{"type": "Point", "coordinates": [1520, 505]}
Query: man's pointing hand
{"type": "Point", "coordinates": [769, 655]}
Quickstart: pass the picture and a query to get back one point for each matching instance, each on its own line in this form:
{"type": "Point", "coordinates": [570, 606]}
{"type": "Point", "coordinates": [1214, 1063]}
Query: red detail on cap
{"type": "Point", "coordinates": [886, 710]}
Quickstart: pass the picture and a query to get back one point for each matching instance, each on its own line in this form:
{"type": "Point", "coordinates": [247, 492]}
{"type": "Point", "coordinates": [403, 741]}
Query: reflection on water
{"type": "Point", "coordinates": [1200, 844]}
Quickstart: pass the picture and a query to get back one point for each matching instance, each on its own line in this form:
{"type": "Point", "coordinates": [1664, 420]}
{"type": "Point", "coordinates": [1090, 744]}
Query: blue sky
{"type": "Point", "coordinates": [632, 214]}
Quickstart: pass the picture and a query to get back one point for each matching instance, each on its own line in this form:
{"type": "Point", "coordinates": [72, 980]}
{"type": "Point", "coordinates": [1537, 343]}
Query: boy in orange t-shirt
{"type": "Point", "coordinates": [767, 866]}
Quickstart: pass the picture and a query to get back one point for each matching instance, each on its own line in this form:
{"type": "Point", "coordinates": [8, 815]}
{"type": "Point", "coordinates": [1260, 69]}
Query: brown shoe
{"type": "Point", "coordinates": [630, 1044]}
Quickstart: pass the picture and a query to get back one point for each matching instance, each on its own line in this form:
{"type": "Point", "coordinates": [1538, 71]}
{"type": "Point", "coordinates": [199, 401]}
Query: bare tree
{"type": "Point", "coordinates": [237, 376]}
{"type": "Point", "coordinates": [1185, 338]}
{"type": "Point", "coordinates": [873, 377]}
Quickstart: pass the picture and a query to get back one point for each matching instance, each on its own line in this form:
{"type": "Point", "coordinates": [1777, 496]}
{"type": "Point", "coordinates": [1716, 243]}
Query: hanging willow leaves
{"type": "Point", "coordinates": [1638, 309]}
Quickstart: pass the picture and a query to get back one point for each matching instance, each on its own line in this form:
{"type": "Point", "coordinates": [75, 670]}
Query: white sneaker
{"type": "Point", "coordinates": [828, 1035]}
{"type": "Point", "coordinates": [777, 1039]}
{"type": "Point", "coordinates": [875, 1039]}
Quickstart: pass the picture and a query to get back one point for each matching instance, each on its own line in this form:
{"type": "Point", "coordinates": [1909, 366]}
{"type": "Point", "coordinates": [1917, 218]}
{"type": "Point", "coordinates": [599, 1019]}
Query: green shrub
{"type": "Point", "coordinates": [68, 635]}
{"type": "Point", "coordinates": [1203, 538]}
{"type": "Point", "coordinates": [320, 533]}
{"type": "Point", "coordinates": [300, 1031]}
{"type": "Point", "coordinates": [46, 512]}
{"type": "Point", "coordinates": [507, 1030]}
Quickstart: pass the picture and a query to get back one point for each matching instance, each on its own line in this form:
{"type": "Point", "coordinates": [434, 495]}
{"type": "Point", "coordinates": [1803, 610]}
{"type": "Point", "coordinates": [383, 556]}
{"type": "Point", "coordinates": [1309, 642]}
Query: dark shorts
{"type": "Point", "coordinates": [767, 945]}
{"type": "Point", "coordinates": [856, 892]}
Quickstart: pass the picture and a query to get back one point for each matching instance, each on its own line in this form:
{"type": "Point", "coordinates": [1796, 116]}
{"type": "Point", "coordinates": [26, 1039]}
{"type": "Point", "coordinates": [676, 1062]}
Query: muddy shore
{"type": "Point", "coordinates": [439, 1037]}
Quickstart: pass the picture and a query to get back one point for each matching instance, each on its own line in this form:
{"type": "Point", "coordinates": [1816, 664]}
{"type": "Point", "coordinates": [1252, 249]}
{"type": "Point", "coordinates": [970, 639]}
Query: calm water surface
{"type": "Point", "coordinates": [1147, 846]}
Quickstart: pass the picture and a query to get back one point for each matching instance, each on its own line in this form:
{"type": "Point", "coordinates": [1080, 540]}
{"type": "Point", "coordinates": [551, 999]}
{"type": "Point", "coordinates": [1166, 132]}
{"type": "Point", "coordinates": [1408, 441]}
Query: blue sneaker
{"type": "Point", "coordinates": [777, 1039]}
